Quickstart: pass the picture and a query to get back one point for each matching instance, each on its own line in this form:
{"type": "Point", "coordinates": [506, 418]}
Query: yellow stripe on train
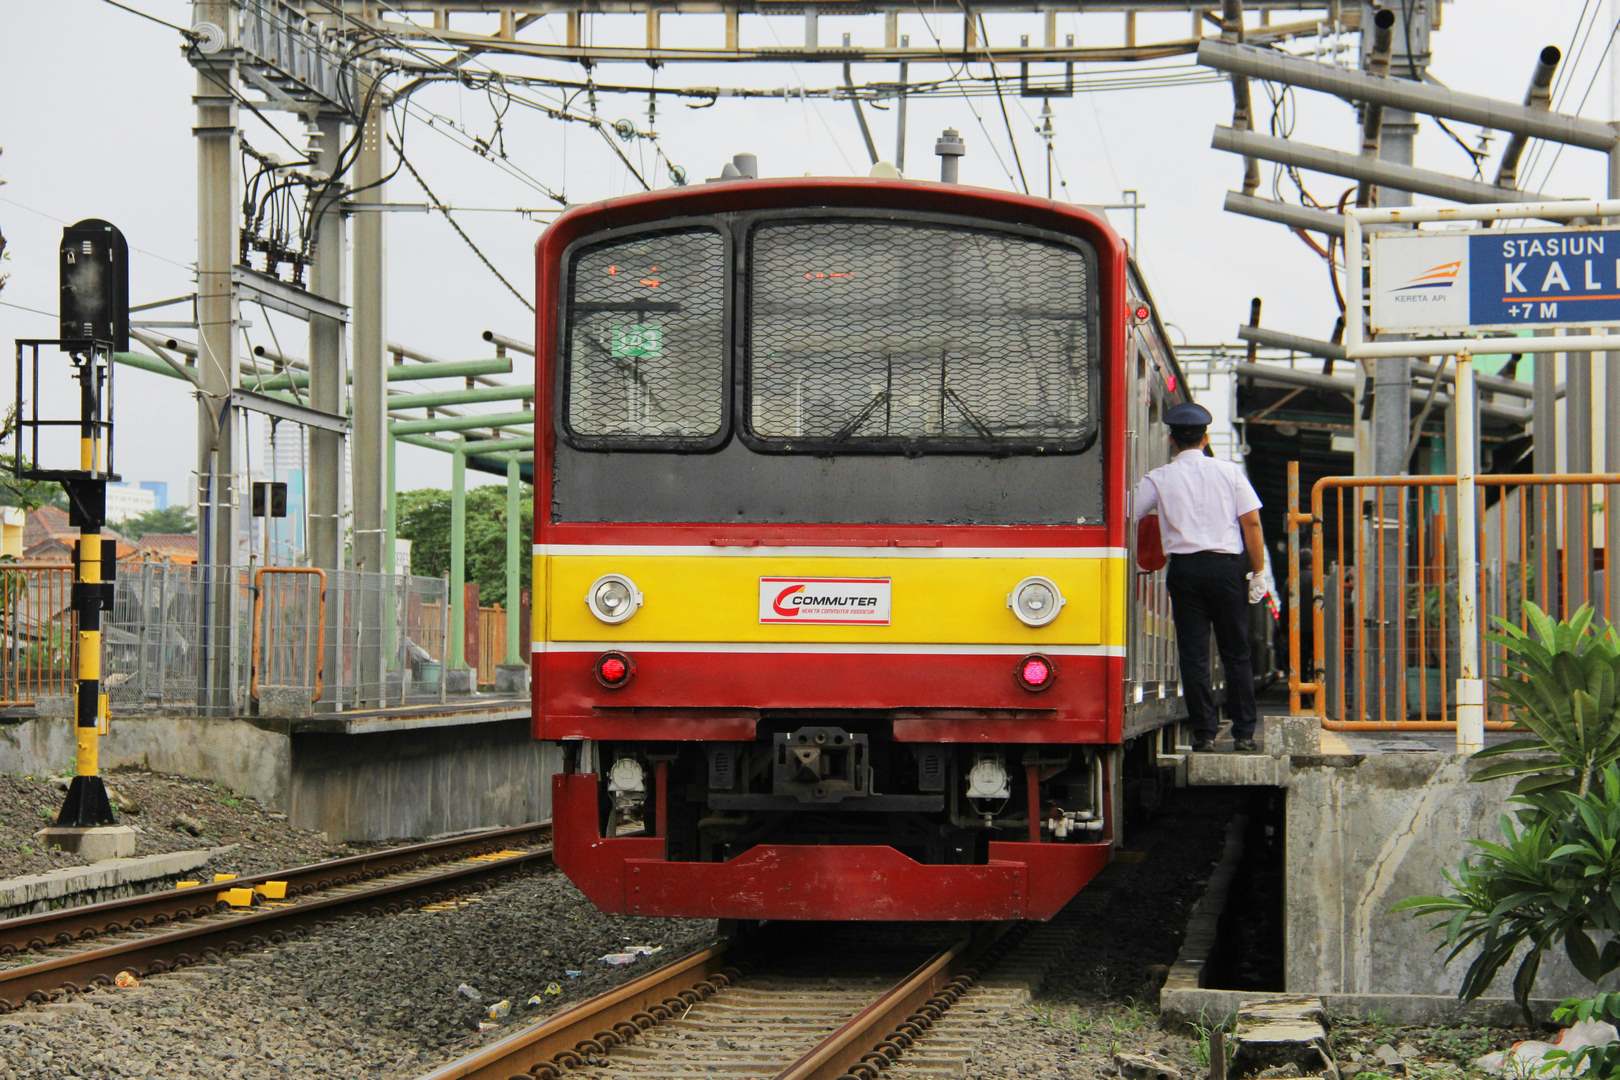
{"type": "Point", "coordinates": [935, 600]}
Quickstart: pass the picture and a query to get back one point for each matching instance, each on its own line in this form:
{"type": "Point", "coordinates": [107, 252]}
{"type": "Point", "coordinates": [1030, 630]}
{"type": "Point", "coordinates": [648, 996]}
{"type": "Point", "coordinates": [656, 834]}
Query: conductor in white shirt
{"type": "Point", "coordinates": [1210, 525]}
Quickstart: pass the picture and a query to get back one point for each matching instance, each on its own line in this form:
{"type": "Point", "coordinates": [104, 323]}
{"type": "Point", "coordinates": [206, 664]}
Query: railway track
{"type": "Point", "coordinates": [44, 956]}
{"type": "Point", "coordinates": [803, 1009]}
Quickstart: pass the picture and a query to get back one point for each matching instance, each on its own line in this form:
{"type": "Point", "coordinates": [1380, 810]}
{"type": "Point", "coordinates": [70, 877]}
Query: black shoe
{"type": "Point", "coordinates": [1244, 746]}
{"type": "Point", "coordinates": [1203, 746]}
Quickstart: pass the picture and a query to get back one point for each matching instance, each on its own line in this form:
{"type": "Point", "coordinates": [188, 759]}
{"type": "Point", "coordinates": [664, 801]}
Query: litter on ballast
{"type": "Point", "coordinates": [553, 989]}
{"type": "Point", "coordinates": [619, 959]}
{"type": "Point", "coordinates": [1527, 1058]}
{"type": "Point", "coordinates": [572, 974]}
{"type": "Point", "coordinates": [469, 993]}
{"type": "Point", "coordinates": [499, 1010]}
{"type": "Point", "coordinates": [643, 950]}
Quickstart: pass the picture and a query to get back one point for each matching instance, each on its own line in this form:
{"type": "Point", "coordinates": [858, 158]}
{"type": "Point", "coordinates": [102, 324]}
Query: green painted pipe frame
{"type": "Point", "coordinates": [460, 423]}
{"type": "Point", "coordinates": [400, 373]}
{"type": "Point", "coordinates": [434, 399]}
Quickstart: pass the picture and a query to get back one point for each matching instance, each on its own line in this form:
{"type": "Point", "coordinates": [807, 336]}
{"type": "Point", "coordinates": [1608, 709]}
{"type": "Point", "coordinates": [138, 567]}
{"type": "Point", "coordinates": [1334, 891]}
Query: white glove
{"type": "Point", "coordinates": [1257, 587]}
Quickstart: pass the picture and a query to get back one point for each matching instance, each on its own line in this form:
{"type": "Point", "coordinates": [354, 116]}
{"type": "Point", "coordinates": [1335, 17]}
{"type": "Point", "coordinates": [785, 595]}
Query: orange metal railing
{"type": "Point", "coordinates": [1383, 587]}
{"type": "Point", "coordinates": [289, 633]}
{"type": "Point", "coordinates": [37, 639]}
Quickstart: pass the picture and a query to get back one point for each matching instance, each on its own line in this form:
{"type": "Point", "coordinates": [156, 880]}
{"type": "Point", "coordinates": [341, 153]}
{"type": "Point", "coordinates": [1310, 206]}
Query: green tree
{"type": "Point", "coordinates": [424, 520]}
{"type": "Point", "coordinates": [170, 519]}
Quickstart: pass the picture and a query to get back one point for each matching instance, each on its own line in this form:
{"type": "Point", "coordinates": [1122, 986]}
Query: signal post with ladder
{"type": "Point", "coordinates": [94, 324]}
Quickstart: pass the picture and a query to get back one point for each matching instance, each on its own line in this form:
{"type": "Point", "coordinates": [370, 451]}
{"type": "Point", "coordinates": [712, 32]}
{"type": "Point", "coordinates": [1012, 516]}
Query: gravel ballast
{"type": "Point", "coordinates": [372, 996]}
{"type": "Point", "coordinates": [172, 813]}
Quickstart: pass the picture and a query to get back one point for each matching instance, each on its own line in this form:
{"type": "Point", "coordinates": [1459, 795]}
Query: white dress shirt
{"type": "Point", "coordinates": [1199, 500]}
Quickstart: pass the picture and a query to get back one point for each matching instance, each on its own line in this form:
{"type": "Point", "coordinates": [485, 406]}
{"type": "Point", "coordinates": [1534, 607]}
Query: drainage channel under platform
{"type": "Point", "coordinates": [1248, 953]}
{"type": "Point", "coordinates": [1235, 935]}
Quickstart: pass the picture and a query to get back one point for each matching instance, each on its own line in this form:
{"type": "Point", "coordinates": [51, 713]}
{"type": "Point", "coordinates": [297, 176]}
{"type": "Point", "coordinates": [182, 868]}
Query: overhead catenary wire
{"type": "Point", "coordinates": [1001, 99]}
{"type": "Point", "coordinates": [454, 224]}
{"type": "Point", "coordinates": [940, 47]}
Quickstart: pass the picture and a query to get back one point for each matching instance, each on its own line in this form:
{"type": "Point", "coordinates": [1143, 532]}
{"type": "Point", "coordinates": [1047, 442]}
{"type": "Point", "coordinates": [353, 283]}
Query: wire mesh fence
{"type": "Point", "coordinates": [220, 640]}
{"type": "Point", "coordinates": [159, 651]}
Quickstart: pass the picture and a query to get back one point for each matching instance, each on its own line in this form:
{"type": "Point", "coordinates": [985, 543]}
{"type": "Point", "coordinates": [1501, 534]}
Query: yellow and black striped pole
{"type": "Point", "coordinates": [86, 803]}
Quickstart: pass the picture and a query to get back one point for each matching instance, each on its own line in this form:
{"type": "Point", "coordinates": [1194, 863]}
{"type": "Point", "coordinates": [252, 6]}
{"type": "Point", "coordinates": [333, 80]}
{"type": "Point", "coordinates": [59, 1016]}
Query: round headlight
{"type": "Point", "coordinates": [1036, 601]}
{"type": "Point", "coordinates": [613, 598]}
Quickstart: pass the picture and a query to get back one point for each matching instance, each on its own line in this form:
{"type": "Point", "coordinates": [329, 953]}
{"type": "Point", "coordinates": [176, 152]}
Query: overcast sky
{"type": "Point", "coordinates": [97, 118]}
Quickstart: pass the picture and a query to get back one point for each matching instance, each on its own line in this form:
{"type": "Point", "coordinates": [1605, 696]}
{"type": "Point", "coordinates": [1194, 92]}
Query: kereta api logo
{"type": "Point", "coordinates": [1439, 276]}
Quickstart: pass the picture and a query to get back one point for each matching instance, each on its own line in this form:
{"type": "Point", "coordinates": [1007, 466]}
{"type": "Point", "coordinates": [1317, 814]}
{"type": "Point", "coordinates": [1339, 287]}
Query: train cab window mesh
{"type": "Point", "coordinates": [645, 340]}
{"type": "Point", "coordinates": [910, 336]}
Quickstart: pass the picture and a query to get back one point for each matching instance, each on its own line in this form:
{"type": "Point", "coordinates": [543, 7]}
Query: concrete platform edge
{"type": "Point", "coordinates": [1186, 1005]}
{"type": "Point", "coordinates": [30, 890]}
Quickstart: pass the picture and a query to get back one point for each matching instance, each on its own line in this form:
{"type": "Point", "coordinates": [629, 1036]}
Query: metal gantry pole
{"type": "Point", "coordinates": [514, 578]}
{"type": "Point", "coordinates": [457, 647]}
{"type": "Point", "coordinates": [327, 379]}
{"type": "Point", "coordinates": [1470, 687]}
{"type": "Point", "coordinates": [390, 556]}
{"type": "Point", "coordinates": [1611, 387]}
{"type": "Point", "coordinates": [1392, 378]}
{"type": "Point", "coordinates": [370, 392]}
{"type": "Point", "coordinates": [218, 202]}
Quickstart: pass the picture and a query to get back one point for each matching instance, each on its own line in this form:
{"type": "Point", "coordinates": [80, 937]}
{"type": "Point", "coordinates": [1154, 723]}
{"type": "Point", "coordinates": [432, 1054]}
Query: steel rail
{"type": "Point", "coordinates": [230, 933]}
{"type": "Point", "coordinates": [67, 925]}
{"type": "Point", "coordinates": [564, 1038]}
{"type": "Point", "coordinates": [867, 1034]}
{"type": "Point", "coordinates": [862, 1046]}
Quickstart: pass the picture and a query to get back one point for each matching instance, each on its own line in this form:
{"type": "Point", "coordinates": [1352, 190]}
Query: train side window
{"type": "Point", "coordinates": [644, 342]}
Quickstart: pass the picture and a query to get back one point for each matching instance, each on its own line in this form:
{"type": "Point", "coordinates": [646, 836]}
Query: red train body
{"type": "Point", "coordinates": [831, 559]}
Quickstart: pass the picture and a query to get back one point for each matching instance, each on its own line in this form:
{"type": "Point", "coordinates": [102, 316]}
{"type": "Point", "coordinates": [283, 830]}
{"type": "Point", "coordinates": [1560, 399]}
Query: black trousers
{"type": "Point", "coordinates": [1208, 590]}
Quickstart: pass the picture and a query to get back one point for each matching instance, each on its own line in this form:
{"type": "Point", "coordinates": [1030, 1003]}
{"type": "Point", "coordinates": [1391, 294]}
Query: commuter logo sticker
{"type": "Point", "coordinates": [837, 601]}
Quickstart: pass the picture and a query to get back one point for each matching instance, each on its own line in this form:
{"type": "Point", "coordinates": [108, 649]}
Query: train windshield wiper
{"type": "Point", "coordinates": [843, 434]}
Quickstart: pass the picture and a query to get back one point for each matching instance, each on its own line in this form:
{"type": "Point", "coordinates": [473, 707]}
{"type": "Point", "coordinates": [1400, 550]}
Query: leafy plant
{"type": "Point", "coordinates": [1555, 876]}
{"type": "Point", "coordinates": [1561, 686]}
{"type": "Point", "coordinates": [1601, 1061]}
{"type": "Point", "coordinates": [1203, 1052]}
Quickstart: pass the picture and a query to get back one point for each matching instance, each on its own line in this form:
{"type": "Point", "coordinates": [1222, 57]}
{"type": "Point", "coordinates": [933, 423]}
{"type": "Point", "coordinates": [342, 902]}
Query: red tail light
{"type": "Point", "coordinates": [614, 669]}
{"type": "Point", "coordinates": [1035, 673]}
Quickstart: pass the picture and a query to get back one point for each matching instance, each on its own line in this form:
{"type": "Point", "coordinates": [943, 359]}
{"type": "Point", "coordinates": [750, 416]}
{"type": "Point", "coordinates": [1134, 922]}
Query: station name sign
{"type": "Point", "coordinates": [1495, 279]}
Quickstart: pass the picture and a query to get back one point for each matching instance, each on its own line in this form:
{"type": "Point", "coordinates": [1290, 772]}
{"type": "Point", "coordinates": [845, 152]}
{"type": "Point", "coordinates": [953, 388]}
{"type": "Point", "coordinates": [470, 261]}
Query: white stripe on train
{"type": "Point", "coordinates": [752, 551]}
{"type": "Point", "coordinates": [853, 647]}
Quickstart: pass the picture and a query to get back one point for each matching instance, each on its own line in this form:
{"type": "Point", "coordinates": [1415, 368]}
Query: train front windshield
{"type": "Point", "coordinates": [839, 335]}
{"type": "Point", "coordinates": [858, 334]}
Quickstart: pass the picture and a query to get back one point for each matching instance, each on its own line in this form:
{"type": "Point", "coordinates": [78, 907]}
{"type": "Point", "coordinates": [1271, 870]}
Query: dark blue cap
{"type": "Point", "coordinates": [1188, 414]}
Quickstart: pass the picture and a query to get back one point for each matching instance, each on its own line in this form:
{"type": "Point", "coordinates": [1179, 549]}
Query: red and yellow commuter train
{"type": "Point", "coordinates": [833, 576]}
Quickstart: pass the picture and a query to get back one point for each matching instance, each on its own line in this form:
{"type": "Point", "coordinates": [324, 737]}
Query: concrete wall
{"type": "Point", "coordinates": [243, 756]}
{"type": "Point", "coordinates": [1363, 832]}
{"type": "Point", "coordinates": [420, 782]}
{"type": "Point", "coordinates": [378, 785]}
